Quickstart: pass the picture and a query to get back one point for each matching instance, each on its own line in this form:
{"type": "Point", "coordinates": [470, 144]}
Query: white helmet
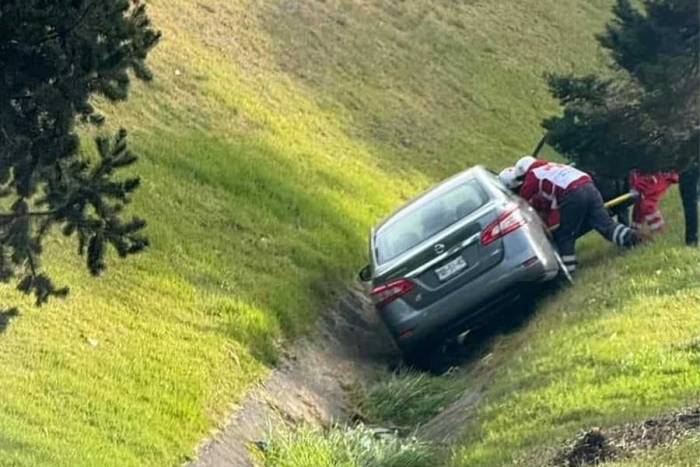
{"type": "Point", "coordinates": [522, 166]}
{"type": "Point", "coordinates": [508, 178]}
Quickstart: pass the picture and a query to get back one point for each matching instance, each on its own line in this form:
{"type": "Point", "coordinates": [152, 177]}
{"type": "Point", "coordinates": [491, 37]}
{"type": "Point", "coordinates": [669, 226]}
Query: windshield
{"type": "Point", "coordinates": [428, 218]}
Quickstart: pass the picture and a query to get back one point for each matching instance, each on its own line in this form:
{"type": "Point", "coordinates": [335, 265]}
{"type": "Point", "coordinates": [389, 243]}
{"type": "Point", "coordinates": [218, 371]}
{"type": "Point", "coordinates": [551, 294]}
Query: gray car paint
{"type": "Point", "coordinates": [433, 310]}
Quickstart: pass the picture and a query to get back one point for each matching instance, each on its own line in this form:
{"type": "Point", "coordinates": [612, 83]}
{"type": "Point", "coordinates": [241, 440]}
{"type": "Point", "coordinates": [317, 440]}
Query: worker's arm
{"type": "Point", "coordinates": [544, 210]}
{"type": "Point", "coordinates": [541, 205]}
{"type": "Point", "coordinates": [529, 187]}
{"type": "Point", "coordinates": [671, 177]}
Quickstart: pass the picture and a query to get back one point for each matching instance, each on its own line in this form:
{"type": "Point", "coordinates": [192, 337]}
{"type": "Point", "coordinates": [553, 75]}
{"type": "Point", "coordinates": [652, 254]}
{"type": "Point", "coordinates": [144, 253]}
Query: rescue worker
{"type": "Point", "coordinates": [688, 184]}
{"type": "Point", "coordinates": [549, 216]}
{"type": "Point", "coordinates": [572, 192]}
{"type": "Point", "coordinates": [507, 177]}
{"type": "Point", "coordinates": [651, 188]}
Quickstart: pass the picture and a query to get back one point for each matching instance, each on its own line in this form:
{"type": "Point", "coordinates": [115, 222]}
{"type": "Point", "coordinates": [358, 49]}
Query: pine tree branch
{"type": "Point", "coordinates": [45, 180]}
{"type": "Point", "coordinates": [32, 265]}
{"type": "Point", "coordinates": [4, 133]}
{"type": "Point", "coordinates": [4, 216]}
{"type": "Point", "coordinates": [73, 27]}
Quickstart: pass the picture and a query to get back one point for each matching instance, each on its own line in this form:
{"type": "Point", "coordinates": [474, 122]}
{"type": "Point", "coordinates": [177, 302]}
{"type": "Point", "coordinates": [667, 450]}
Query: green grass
{"type": "Point", "coordinates": [356, 447]}
{"type": "Point", "coordinates": [274, 135]}
{"type": "Point", "coordinates": [407, 398]}
{"type": "Point", "coordinates": [619, 347]}
{"type": "Point", "coordinates": [684, 454]}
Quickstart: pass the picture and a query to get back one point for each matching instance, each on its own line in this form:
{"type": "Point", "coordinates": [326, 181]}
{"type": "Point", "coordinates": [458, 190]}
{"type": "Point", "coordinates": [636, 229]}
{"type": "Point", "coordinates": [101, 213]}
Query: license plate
{"type": "Point", "coordinates": [451, 268]}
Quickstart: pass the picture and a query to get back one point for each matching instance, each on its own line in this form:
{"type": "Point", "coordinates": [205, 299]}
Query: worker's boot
{"type": "Point", "coordinates": [639, 237]}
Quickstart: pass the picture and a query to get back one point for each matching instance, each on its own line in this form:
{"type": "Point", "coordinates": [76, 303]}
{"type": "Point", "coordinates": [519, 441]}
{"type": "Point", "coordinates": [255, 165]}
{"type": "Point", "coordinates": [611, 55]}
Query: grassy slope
{"type": "Point", "coordinates": [684, 454]}
{"type": "Point", "coordinates": [619, 347]}
{"type": "Point", "coordinates": [275, 134]}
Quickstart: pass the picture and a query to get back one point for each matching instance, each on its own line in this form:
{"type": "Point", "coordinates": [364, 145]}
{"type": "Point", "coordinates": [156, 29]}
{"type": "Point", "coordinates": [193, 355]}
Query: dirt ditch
{"type": "Point", "coordinates": [603, 445]}
{"type": "Point", "coordinates": [310, 385]}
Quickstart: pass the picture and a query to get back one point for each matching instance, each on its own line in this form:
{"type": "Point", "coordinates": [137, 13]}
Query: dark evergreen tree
{"type": "Point", "coordinates": [55, 55]}
{"type": "Point", "coordinates": [647, 115]}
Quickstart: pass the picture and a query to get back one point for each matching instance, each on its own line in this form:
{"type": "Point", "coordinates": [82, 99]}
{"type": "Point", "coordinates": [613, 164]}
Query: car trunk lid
{"type": "Point", "coordinates": [448, 260]}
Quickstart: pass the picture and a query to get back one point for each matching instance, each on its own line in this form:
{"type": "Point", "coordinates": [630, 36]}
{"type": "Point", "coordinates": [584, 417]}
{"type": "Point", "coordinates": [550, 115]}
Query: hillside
{"type": "Point", "coordinates": [620, 347]}
{"type": "Point", "coordinates": [616, 357]}
{"type": "Point", "coordinates": [274, 134]}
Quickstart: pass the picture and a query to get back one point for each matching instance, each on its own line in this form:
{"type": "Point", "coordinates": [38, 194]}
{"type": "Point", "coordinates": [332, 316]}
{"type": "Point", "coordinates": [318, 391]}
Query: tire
{"type": "Point", "coordinates": [434, 359]}
{"type": "Point", "coordinates": [425, 359]}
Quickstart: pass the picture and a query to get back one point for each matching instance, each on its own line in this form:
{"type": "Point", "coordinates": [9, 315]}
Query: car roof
{"type": "Point", "coordinates": [431, 194]}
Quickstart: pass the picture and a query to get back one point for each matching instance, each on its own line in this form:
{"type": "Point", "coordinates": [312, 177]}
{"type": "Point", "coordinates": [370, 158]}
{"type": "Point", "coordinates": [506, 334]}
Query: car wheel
{"type": "Point", "coordinates": [422, 359]}
{"type": "Point", "coordinates": [435, 360]}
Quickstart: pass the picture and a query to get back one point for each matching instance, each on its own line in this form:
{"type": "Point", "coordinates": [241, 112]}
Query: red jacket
{"type": "Point", "coordinates": [652, 187]}
{"type": "Point", "coordinates": [551, 217]}
{"type": "Point", "coordinates": [550, 181]}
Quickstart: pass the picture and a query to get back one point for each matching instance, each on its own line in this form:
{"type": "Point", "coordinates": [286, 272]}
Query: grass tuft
{"type": "Point", "coordinates": [346, 447]}
{"type": "Point", "coordinates": [408, 398]}
{"type": "Point", "coordinates": [683, 454]}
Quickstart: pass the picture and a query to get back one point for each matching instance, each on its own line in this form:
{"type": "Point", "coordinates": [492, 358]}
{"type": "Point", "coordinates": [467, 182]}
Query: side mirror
{"type": "Point", "coordinates": [366, 274]}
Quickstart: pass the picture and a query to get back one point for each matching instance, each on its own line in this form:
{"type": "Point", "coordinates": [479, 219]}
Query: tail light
{"type": "Point", "coordinates": [387, 293]}
{"type": "Point", "coordinates": [506, 223]}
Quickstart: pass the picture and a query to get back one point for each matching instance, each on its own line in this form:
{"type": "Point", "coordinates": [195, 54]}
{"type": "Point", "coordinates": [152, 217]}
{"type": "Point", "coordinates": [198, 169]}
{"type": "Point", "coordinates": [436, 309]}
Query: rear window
{"type": "Point", "coordinates": [427, 219]}
{"type": "Point", "coordinates": [500, 185]}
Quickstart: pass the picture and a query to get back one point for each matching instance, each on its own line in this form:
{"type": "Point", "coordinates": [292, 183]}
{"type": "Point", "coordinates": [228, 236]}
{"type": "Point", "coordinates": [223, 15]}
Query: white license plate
{"type": "Point", "coordinates": [451, 268]}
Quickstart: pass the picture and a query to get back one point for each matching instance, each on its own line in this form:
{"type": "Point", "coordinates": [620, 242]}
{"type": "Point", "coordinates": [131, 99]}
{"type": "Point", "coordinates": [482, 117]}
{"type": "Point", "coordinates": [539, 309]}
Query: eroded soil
{"type": "Point", "coordinates": [602, 445]}
{"type": "Point", "coordinates": [310, 385]}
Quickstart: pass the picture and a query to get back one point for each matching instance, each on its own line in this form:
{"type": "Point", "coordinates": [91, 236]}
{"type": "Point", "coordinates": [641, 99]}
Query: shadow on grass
{"type": "Point", "coordinates": [508, 322]}
{"type": "Point", "coordinates": [12, 448]}
{"type": "Point", "coordinates": [478, 342]}
{"type": "Point", "coordinates": [5, 317]}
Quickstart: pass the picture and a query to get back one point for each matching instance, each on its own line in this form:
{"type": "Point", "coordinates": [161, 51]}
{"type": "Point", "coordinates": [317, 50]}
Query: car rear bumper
{"type": "Point", "coordinates": [529, 258]}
